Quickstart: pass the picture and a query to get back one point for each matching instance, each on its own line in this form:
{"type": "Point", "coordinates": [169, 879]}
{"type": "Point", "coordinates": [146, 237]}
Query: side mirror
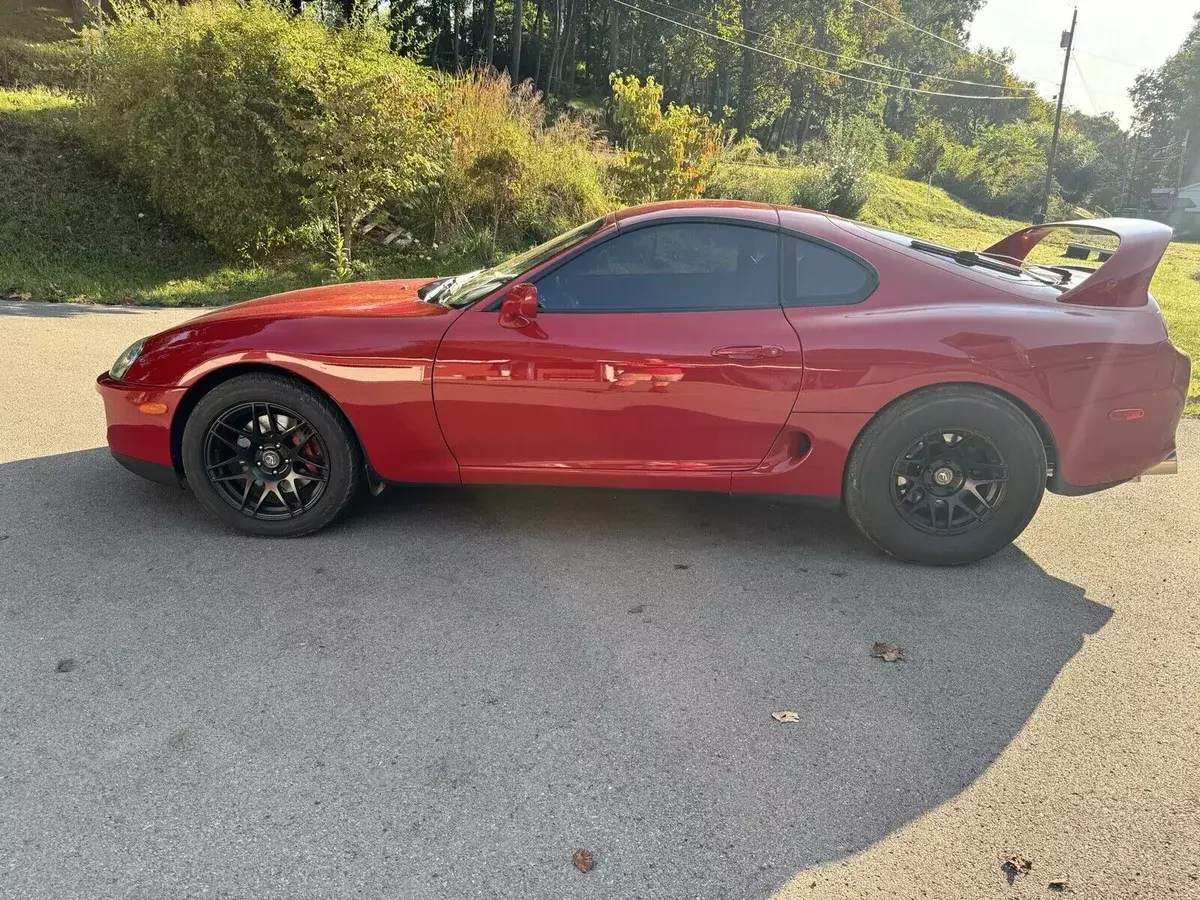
{"type": "Point", "coordinates": [519, 306]}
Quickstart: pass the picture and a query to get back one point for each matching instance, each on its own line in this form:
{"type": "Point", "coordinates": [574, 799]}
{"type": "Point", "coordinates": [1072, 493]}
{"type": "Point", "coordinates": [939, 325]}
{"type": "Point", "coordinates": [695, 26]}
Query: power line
{"type": "Point", "coordinates": [865, 62]}
{"type": "Point", "coordinates": [1095, 106]}
{"type": "Point", "coordinates": [932, 34]}
{"type": "Point", "coordinates": [804, 65]}
{"type": "Point", "coordinates": [1123, 62]}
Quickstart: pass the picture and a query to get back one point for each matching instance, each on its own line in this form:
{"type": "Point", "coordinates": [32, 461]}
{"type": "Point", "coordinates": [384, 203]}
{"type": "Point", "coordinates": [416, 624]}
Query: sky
{"type": "Point", "coordinates": [1113, 41]}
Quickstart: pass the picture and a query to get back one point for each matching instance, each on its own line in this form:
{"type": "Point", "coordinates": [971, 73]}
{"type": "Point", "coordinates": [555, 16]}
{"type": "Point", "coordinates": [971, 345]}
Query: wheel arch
{"type": "Point", "coordinates": [203, 385]}
{"type": "Point", "coordinates": [1035, 418]}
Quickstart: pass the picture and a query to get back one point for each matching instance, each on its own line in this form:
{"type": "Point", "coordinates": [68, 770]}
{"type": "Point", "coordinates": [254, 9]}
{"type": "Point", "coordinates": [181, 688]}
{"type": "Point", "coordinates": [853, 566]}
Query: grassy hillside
{"type": "Point", "coordinates": [70, 230]}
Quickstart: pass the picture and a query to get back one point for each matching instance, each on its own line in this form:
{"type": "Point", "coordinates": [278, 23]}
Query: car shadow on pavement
{"type": "Point", "coordinates": [450, 692]}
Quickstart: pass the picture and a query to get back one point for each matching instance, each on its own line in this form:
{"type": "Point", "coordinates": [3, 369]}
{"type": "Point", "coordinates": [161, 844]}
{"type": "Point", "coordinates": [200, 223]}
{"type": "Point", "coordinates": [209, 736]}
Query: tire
{"type": "Point", "coordinates": [276, 445]}
{"type": "Point", "coordinates": [893, 489]}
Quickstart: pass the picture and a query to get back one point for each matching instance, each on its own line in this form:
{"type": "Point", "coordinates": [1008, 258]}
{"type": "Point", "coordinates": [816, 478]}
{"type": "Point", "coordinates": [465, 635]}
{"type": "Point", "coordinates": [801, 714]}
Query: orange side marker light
{"type": "Point", "coordinates": [152, 409]}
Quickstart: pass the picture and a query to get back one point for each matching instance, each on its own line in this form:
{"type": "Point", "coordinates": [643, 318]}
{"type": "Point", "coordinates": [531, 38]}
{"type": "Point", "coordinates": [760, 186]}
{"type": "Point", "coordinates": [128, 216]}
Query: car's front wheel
{"type": "Point", "coordinates": [946, 476]}
{"type": "Point", "coordinates": [270, 455]}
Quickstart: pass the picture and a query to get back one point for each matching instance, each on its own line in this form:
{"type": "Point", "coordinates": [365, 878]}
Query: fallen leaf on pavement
{"type": "Point", "coordinates": [1058, 885]}
{"type": "Point", "coordinates": [1015, 865]}
{"type": "Point", "coordinates": [683, 565]}
{"type": "Point", "coordinates": [640, 608]}
{"type": "Point", "coordinates": [583, 860]}
{"type": "Point", "coordinates": [65, 665]}
{"type": "Point", "coordinates": [887, 652]}
{"type": "Point", "coordinates": [785, 715]}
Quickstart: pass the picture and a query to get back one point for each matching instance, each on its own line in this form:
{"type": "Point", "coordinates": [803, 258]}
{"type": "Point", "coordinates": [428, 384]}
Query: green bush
{"type": "Point", "coordinates": [250, 123]}
{"type": "Point", "coordinates": [753, 181]}
{"type": "Point", "coordinates": [509, 174]}
{"type": "Point", "coordinates": [844, 160]}
{"type": "Point", "coordinates": [1003, 172]}
{"type": "Point", "coordinates": [668, 155]}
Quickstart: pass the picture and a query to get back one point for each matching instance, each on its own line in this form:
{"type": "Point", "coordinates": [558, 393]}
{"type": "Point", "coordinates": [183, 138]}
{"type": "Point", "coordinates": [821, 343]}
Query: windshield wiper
{"type": "Point", "coordinates": [967, 257]}
{"type": "Point", "coordinates": [971, 258]}
{"type": "Point", "coordinates": [435, 289]}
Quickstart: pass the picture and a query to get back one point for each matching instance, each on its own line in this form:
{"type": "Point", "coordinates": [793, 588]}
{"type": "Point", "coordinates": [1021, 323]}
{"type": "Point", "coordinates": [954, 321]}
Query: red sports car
{"type": "Point", "coordinates": [704, 346]}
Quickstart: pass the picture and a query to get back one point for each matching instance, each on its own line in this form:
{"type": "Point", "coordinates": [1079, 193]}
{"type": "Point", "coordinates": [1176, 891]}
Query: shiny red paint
{"type": "Point", "coordinates": [765, 400]}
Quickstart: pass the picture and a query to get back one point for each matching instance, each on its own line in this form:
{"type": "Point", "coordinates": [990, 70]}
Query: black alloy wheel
{"type": "Point", "coordinates": [949, 481]}
{"type": "Point", "coordinates": [266, 461]}
{"type": "Point", "coordinates": [271, 455]}
{"type": "Point", "coordinates": [946, 475]}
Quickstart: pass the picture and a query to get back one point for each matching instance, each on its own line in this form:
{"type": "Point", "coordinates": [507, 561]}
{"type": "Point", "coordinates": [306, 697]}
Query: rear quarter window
{"type": "Point", "coordinates": [818, 275]}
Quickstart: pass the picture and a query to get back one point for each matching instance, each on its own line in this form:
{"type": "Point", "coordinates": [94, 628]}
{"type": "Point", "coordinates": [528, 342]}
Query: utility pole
{"type": "Point", "coordinates": [1066, 42]}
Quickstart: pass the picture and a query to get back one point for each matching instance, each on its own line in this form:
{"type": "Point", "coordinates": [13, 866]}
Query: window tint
{"type": "Point", "coordinates": [686, 265]}
{"type": "Point", "coordinates": [815, 275]}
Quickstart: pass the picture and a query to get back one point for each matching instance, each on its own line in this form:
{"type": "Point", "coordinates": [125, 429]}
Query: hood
{"type": "Point", "coordinates": [396, 298]}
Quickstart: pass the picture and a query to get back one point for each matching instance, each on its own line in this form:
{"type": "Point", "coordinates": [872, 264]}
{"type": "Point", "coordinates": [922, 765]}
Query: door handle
{"type": "Point", "coordinates": [748, 352]}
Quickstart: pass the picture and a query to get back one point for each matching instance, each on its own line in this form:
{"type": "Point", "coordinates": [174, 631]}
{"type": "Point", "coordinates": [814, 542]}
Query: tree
{"type": "Point", "coordinates": [514, 63]}
{"type": "Point", "coordinates": [1167, 104]}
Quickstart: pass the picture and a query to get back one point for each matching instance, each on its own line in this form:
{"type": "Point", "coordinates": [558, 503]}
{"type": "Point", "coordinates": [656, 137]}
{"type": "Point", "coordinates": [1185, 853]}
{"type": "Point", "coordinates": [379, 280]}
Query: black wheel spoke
{"type": "Point", "coordinates": [230, 444]}
{"type": "Point", "coordinates": [245, 494]}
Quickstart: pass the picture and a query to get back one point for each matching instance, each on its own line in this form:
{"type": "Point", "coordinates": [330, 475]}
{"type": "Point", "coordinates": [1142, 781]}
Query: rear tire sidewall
{"type": "Point", "coordinates": [869, 478]}
{"type": "Point", "coordinates": [340, 447]}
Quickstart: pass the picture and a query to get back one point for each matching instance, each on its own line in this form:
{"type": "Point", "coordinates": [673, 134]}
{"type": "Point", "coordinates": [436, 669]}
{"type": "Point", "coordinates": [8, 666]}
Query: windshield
{"type": "Point", "coordinates": [466, 289]}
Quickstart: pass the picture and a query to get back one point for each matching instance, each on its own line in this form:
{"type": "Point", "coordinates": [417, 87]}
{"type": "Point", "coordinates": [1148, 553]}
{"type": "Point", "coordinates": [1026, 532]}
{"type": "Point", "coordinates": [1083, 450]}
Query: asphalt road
{"type": "Point", "coordinates": [448, 694]}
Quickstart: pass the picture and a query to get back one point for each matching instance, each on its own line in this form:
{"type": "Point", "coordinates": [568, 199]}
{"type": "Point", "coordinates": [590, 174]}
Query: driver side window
{"type": "Point", "coordinates": [669, 267]}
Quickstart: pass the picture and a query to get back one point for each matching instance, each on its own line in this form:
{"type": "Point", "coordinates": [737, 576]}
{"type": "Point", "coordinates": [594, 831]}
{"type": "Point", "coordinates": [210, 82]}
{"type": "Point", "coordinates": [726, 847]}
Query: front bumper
{"type": "Point", "coordinates": [139, 424]}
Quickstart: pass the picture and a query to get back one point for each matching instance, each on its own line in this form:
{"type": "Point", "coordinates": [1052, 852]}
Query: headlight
{"type": "Point", "coordinates": [126, 359]}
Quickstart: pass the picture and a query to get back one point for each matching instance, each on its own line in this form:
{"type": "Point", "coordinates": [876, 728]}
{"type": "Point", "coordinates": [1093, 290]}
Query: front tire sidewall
{"type": "Point", "coordinates": [869, 476]}
{"type": "Point", "coordinates": [340, 447]}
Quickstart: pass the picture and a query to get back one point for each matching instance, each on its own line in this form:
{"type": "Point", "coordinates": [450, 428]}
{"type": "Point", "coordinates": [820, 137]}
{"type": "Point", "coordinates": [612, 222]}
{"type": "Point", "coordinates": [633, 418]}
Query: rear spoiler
{"type": "Point", "coordinates": [1124, 280]}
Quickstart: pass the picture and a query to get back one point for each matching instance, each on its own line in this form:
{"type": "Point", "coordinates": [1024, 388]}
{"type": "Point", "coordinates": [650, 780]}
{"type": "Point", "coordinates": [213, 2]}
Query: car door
{"type": "Point", "coordinates": [661, 349]}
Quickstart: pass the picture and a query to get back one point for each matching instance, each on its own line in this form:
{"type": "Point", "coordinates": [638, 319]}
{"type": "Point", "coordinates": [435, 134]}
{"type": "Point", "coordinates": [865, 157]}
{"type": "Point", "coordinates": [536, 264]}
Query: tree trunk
{"type": "Point", "coordinates": [573, 17]}
{"type": "Point", "coordinates": [556, 46]}
{"type": "Point", "coordinates": [538, 27]}
{"type": "Point", "coordinates": [746, 76]}
{"type": "Point", "coordinates": [614, 38]}
{"type": "Point", "coordinates": [808, 116]}
{"type": "Point", "coordinates": [456, 10]}
{"type": "Point", "coordinates": [514, 65]}
{"type": "Point", "coordinates": [489, 34]}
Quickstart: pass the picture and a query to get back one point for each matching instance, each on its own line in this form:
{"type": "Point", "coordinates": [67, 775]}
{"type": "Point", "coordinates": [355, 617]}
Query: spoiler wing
{"type": "Point", "coordinates": [1123, 280]}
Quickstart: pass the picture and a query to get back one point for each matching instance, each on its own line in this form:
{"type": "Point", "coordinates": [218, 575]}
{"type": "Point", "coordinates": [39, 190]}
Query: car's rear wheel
{"type": "Point", "coordinates": [946, 476]}
{"type": "Point", "coordinates": [271, 456]}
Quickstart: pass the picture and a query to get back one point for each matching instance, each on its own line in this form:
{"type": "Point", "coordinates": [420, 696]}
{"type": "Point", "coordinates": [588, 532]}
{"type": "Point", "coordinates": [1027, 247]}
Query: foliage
{"type": "Point", "coordinates": [853, 149]}
{"type": "Point", "coordinates": [508, 173]}
{"type": "Point", "coordinates": [1167, 100]}
{"type": "Point", "coordinates": [668, 154]}
{"type": "Point", "coordinates": [261, 121]}
{"type": "Point", "coordinates": [927, 149]}
{"type": "Point", "coordinates": [70, 230]}
{"type": "Point", "coordinates": [809, 186]}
